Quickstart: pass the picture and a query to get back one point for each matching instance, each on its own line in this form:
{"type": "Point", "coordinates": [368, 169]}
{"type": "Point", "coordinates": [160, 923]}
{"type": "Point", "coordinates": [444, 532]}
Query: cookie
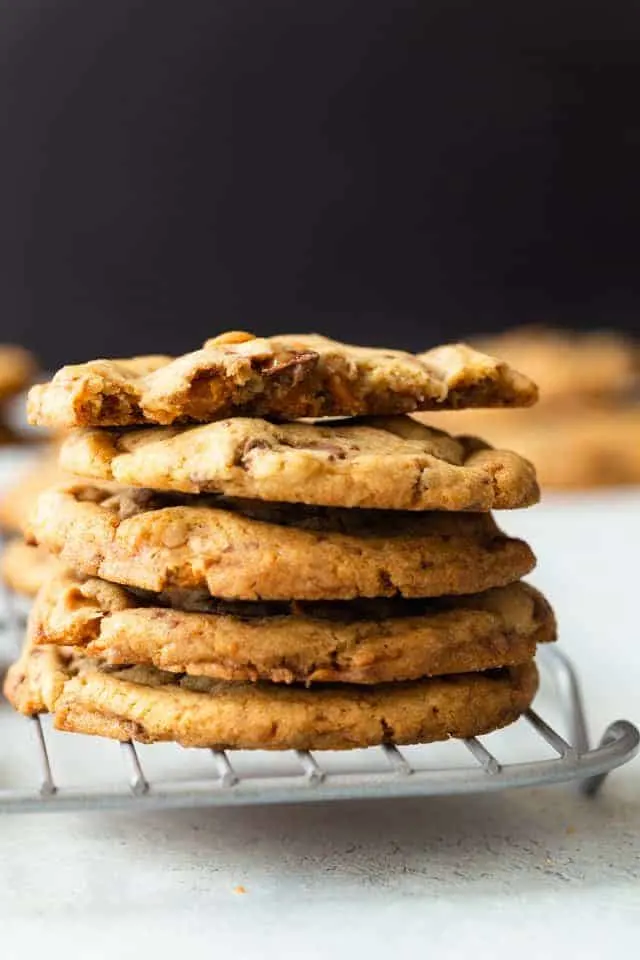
{"type": "Point", "coordinates": [602, 449]}
{"type": "Point", "coordinates": [17, 369]}
{"type": "Point", "coordinates": [571, 368]}
{"type": "Point", "coordinates": [251, 550]}
{"type": "Point", "coordinates": [571, 449]}
{"type": "Point", "coordinates": [349, 642]}
{"type": "Point", "coordinates": [392, 463]}
{"type": "Point", "coordinates": [286, 377]}
{"type": "Point", "coordinates": [35, 682]}
{"type": "Point", "coordinates": [149, 705]}
{"type": "Point", "coordinates": [25, 568]}
{"type": "Point", "coordinates": [18, 500]}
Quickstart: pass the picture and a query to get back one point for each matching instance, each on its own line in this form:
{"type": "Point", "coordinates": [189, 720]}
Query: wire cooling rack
{"type": "Point", "coordinates": [45, 770]}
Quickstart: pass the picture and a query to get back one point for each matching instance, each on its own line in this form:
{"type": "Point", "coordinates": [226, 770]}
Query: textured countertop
{"type": "Point", "coordinates": [503, 874]}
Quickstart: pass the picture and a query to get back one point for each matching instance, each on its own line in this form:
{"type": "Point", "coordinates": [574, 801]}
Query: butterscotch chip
{"type": "Point", "coordinates": [17, 369]}
{"type": "Point", "coordinates": [286, 377]}
{"type": "Point", "coordinates": [350, 642]}
{"type": "Point", "coordinates": [393, 463]}
{"type": "Point", "coordinates": [251, 550]}
{"type": "Point", "coordinates": [25, 568]}
{"type": "Point", "coordinates": [149, 705]}
{"type": "Point", "coordinates": [232, 336]}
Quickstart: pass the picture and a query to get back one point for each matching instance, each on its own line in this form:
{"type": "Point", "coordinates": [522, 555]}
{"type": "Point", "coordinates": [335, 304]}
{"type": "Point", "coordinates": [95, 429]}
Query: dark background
{"type": "Point", "coordinates": [394, 172]}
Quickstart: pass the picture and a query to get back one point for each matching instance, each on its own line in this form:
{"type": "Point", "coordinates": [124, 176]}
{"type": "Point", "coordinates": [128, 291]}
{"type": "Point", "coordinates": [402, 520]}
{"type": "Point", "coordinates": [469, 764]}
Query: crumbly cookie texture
{"type": "Point", "coordinates": [17, 369]}
{"type": "Point", "coordinates": [571, 368]}
{"type": "Point", "coordinates": [251, 550]}
{"type": "Point", "coordinates": [149, 705]}
{"type": "Point", "coordinates": [25, 568]}
{"type": "Point", "coordinates": [393, 463]}
{"type": "Point", "coordinates": [17, 501]}
{"type": "Point", "coordinates": [571, 448]}
{"type": "Point", "coordinates": [34, 683]}
{"type": "Point", "coordinates": [286, 377]}
{"type": "Point", "coordinates": [345, 641]}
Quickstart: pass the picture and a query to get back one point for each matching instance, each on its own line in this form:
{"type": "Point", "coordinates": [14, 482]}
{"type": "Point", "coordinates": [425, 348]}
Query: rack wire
{"type": "Point", "coordinates": [387, 771]}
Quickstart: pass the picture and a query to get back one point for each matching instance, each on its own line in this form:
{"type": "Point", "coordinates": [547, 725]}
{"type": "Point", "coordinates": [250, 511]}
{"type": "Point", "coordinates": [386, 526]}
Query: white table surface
{"type": "Point", "coordinates": [505, 874]}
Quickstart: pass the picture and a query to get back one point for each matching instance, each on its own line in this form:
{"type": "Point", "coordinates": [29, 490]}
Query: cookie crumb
{"type": "Point", "coordinates": [239, 889]}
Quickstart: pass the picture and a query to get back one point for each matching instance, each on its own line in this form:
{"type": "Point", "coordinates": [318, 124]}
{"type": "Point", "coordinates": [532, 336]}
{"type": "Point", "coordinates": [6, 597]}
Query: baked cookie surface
{"type": "Point", "coordinates": [350, 642]}
{"type": "Point", "coordinates": [251, 550]}
{"type": "Point", "coordinates": [149, 705]}
{"type": "Point", "coordinates": [286, 377]}
{"type": "Point", "coordinates": [391, 463]}
{"type": "Point", "coordinates": [36, 680]}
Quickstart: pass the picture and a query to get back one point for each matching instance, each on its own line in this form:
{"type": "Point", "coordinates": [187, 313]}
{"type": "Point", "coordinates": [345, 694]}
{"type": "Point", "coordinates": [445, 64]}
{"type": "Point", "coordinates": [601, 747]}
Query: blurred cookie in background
{"type": "Point", "coordinates": [23, 568]}
{"type": "Point", "coordinates": [18, 368]}
{"type": "Point", "coordinates": [571, 368]}
{"type": "Point", "coordinates": [585, 432]}
{"type": "Point", "coordinates": [572, 449]}
{"type": "Point", "coordinates": [16, 501]}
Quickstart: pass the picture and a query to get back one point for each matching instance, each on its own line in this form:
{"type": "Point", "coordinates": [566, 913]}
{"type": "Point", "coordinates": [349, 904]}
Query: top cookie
{"type": "Point", "coordinates": [17, 368]}
{"type": "Point", "coordinates": [392, 463]}
{"type": "Point", "coordinates": [286, 377]}
{"type": "Point", "coordinates": [570, 367]}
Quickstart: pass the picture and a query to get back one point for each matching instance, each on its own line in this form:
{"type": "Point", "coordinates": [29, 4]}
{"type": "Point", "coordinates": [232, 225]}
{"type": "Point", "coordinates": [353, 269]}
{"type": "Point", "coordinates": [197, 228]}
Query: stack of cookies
{"type": "Point", "coordinates": [585, 432]}
{"type": "Point", "coordinates": [17, 368]}
{"type": "Point", "coordinates": [241, 571]}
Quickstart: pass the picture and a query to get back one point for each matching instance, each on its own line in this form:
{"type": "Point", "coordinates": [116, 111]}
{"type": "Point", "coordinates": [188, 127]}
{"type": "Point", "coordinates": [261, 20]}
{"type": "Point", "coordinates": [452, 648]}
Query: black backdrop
{"type": "Point", "coordinates": [387, 171]}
